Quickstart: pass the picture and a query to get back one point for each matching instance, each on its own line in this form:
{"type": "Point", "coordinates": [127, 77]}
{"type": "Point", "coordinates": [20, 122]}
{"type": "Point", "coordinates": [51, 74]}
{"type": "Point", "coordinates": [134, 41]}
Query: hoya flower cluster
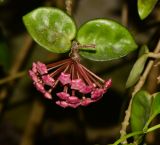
{"type": "Point", "coordinates": [68, 83]}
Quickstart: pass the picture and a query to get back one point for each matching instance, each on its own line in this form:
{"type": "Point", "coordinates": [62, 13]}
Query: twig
{"type": "Point", "coordinates": [12, 77]}
{"type": "Point", "coordinates": [69, 6]}
{"type": "Point", "coordinates": [138, 86]}
{"type": "Point", "coordinates": [33, 123]}
{"type": "Point", "coordinates": [124, 14]}
{"type": "Point", "coordinates": [21, 55]}
{"type": "Point", "coordinates": [14, 69]}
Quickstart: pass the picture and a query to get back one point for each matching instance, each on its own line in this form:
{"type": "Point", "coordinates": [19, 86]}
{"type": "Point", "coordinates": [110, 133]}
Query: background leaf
{"type": "Point", "coordinates": [143, 50]}
{"type": "Point", "coordinates": [140, 110]}
{"type": "Point", "coordinates": [111, 39]}
{"type": "Point", "coordinates": [136, 70]}
{"type": "Point", "coordinates": [145, 7]}
{"type": "Point", "coordinates": [51, 28]}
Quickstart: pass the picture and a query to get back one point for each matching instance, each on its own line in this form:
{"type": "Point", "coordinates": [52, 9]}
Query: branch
{"type": "Point", "coordinates": [12, 77]}
{"type": "Point", "coordinates": [69, 6]}
{"type": "Point", "coordinates": [138, 86]}
{"type": "Point", "coordinates": [33, 123]}
{"type": "Point", "coordinates": [124, 14]}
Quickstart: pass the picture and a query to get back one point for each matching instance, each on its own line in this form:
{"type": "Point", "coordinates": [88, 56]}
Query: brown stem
{"type": "Point", "coordinates": [22, 54]}
{"type": "Point", "coordinates": [12, 77]}
{"type": "Point", "coordinates": [69, 6]}
{"type": "Point", "coordinates": [33, 123]}
{"type": "Point", "coordinates": [124, 14]}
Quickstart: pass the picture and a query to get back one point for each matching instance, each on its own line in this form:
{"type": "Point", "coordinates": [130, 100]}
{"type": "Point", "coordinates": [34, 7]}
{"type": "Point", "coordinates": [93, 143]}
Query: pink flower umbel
{"type": "Point", "coordinates": [68, 83]}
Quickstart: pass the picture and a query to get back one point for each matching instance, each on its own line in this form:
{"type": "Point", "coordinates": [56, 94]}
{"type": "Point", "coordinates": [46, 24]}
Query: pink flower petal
{"type": "Point", "coordinates": [108, 84]}
{"type": "Point", "coordinates": [74, 105]}
{"type": "Point", "coordinates": [48, 80]}
{"type": "Point", "coordinates": [41, 67]}
{"type": "Point", "coordinates": [33, 76]}
{"type": "Point", "coordinates": [86, 89]}
{"type": "Point", "coordinates": [86, 101]}
{"type": "Point", "coordinates": [63, 95]}
{"type": "Point", "coordinates": [73, 100]}
{"type": "Point", "coordinates": [34, 67]}
{"type": "Point", "coordinates": [77, 84]}
{"type": "Point", "coordinates": [64, 78]}
{"type": "Point", "coordinates": [40, 87]}
{"type": "Point", "coordinates": [63, 104]}
{"type": "Point", "coordinates": [47, 95]}
{"type": "Point", "coordinates": [97, 93]}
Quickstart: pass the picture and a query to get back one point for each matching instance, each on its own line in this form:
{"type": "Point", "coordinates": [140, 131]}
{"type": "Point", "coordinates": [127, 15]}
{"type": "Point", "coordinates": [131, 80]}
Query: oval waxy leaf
{"type": "Point", "coordinates": [155, 108]}
{"type": "Point", "coordinates": [140, 110]}
{"type": "Point", "coordinates": [112, 40]}
{"type": "Point", "coordinates": [136, 70]}
{"type": "Point", "coordinates": [51, 28]}
{"type": "Point", "coordinates": [145, 7]}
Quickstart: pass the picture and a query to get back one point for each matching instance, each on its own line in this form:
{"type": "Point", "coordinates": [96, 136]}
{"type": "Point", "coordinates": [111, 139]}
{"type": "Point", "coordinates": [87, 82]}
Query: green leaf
{"type": "Point", "coordinates": [51, 28]}
{"type": "Point", "coordinates": [143, 50]}
{"type": "Point", "coordinates": [145, 7]}
{"type": "Point", "coordinates": [140, 110]}
{"type": "Point", "coordinates": [136, 70]}
{"type": "Point", "coordinates": [155, 109]}
{"type": "Point", "coordinates": [112, 40]}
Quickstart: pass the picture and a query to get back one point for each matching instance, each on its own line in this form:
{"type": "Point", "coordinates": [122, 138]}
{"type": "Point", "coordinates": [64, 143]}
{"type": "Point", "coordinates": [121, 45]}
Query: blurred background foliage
{"type": "Point", "coordinates": [26, 118]}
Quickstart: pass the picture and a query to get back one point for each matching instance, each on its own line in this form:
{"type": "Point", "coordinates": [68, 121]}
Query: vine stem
{"type": "Point", "coordinates": [124, 13]}
{"type": "Point", "coordinates": [12, 77]}
{"type": "Point", "coordinates": [136, 133]}
{"type": "Point", "coordinates": [137, 87]}
{"type": "Point", "coordinates": [68, 4]}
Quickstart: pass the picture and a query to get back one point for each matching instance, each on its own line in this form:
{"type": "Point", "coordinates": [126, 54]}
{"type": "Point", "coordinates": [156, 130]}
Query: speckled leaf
{"type": "Point", "coordinates": [112, 40]}
{"type": "Point", "coordinates": [140, 110]}
{"type": "Point", "coordinates": [51, 28]}
{"type": "Point", "coordinates": [145, 7]}
{"type": "Point", "coordinates": [136, 70]}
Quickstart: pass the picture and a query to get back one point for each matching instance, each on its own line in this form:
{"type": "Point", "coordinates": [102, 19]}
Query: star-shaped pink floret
{"type": "Point", "coordinates": [39, 87]}
{"type": "Point", "coordinates": [73, 100]}
{"type": "Point", "coordinates": [41, 67]}
{"type": "Point", "coordinates": [97, 93]}
{"type": "Point", "coordinates": [47, 80]}
{"type": "Point", "coordinates": [47, 95]}
{"type": "Point", "coordinates": [63, 104]}
{"type": "Point", "coordinates": [64, 78]}
{"type": "Point", "coordinates": [33, 76]}
{"type": "Point", "coordinates": [77, 84]}
{"type": "Point", "coordinates": [86, 101]}
{"type": "Point", "coordinates": [86, 89]}
{"type": "Point", "coordinates": [108, 84]}
{"type": "Point", "coordinates": [63, 95]}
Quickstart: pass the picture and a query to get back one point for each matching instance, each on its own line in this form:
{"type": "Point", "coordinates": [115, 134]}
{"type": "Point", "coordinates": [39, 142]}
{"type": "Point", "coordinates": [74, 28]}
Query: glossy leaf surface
{"type": "Point", "coordinates": [140, 110]}
{"type": "Point", "coordinates": [145, 7]}
{"type": "Point", "coordinates": [112, 40]}
{"type": "Point", "coordinates": [155, 109]}
{"type": "Point", "coordinates": [136, 70]}
{"type": "Point", "coordinates": [51, 28]}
